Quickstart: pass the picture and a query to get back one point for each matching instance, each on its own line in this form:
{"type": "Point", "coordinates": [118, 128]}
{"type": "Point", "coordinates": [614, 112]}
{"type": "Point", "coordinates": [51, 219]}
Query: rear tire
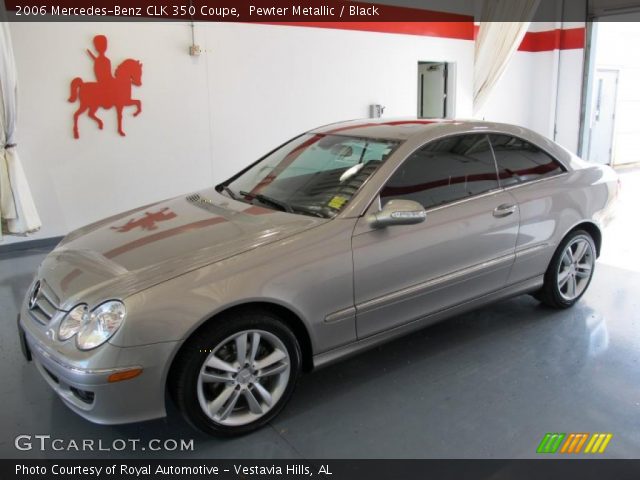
{"type": "Point", "coordinates": [236, 373]}
{"type": "Point", "coordinates": [570, 271]}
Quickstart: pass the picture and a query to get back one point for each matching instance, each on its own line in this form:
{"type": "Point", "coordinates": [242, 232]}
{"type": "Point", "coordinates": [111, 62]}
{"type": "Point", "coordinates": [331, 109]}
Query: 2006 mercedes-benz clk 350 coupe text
{"type": "Point", "coordinates": [342, 238]}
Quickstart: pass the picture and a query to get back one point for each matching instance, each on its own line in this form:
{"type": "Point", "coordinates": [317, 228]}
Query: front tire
{"type": "Point", "coordinates": [570, 271]}
{"type": "Point", "coordinates": [236, 373]}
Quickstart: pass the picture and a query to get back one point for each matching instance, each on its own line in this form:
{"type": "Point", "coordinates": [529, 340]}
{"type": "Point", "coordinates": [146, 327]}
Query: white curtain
{"type": "Point", "coordinates": [18, 214]}
{"type": "Point", "coordinates": [497, 42]}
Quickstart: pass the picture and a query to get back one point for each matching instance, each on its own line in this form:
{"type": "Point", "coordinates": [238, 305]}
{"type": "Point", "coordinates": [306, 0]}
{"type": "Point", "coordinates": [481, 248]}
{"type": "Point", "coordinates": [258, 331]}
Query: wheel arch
{"type": "Point", "coordinates": [550, 293]}
{"type": "Point", "coordinates": [288, 317]}
{"type": "Point", "coordinates": [592, 229]}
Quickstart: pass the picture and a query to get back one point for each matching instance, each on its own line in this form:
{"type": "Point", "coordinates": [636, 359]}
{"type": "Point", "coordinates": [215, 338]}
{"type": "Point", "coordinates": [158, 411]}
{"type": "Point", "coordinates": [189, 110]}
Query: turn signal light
{"type": "Point", "coordinates": [124, 375]}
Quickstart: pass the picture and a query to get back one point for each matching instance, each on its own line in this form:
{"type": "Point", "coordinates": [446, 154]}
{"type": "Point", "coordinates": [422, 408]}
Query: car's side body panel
{"type": "Point", "coordinates": [309, 274]}
{"type": "Point", "coordinates": [549, 209]}
{"type": "Point", "coordinates": [331, 356]}
{"type": "Point", "coordinates": [459, 253]}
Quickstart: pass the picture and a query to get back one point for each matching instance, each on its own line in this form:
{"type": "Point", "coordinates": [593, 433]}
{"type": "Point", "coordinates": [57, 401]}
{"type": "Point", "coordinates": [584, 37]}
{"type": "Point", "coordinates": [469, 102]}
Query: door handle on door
{"type": "Point", "coordinates": [504, 210]}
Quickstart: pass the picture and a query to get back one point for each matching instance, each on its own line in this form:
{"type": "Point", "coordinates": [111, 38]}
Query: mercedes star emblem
{"type": "Point", "coordinates": [34, 295]}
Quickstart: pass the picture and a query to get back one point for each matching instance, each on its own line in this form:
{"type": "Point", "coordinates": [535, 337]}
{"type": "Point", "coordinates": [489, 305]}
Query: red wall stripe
{"type": "Point", "coordinates": [457, 30]}
{"type": "Point", "coordinates": [567, 39]}
{"type": "Point", "coordinates": [546, 41]}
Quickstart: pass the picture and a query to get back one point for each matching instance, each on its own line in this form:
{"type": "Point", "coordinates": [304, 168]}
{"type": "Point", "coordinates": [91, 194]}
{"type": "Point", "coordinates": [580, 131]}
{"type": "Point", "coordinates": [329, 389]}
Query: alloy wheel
{"type": "Point", "coordinates": [576, 268]}
{"type": "Point", "coordinates": [243, 377]}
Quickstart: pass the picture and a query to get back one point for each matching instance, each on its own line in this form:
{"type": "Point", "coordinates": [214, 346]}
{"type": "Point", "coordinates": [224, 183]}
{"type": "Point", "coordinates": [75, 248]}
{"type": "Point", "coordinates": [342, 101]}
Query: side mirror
{"type": "Point", "coordinates": [398, 212]}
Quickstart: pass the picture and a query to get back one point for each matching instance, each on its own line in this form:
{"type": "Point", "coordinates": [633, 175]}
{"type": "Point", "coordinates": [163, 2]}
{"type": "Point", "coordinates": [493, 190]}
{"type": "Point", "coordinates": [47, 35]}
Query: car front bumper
{"type": "Point", "coordinates": [88, 392]}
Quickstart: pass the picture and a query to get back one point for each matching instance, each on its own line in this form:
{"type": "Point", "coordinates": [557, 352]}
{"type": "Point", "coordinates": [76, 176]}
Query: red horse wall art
{"type": "Point", "coordinates": [109, 90]}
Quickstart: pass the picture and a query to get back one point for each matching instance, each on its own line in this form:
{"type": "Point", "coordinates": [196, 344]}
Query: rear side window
{"type": "Point", "coordinates": [520, 161]}
{"type": "Point", "coordinates": [444, 171]}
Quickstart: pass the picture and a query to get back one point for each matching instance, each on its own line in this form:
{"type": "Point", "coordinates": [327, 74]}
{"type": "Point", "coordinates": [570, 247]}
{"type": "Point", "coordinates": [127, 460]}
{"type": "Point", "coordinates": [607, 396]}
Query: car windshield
{"type": "Point", "coordinates": [313, 174]}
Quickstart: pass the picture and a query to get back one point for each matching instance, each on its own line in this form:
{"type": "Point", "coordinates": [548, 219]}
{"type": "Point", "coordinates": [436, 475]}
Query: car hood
{"type": "Point", "coordinates": [132, 251]}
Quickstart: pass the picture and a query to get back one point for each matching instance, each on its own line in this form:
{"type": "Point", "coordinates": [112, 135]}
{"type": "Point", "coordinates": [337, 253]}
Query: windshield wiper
{"type": "Point", "coordinates": [231, 193]}
{"type": "Point", "coordinates": [269, 201]}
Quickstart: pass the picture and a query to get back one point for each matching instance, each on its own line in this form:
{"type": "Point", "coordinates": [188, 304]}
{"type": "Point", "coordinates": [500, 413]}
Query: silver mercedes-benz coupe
{"type": "Point", "coordinates": [340, 239]}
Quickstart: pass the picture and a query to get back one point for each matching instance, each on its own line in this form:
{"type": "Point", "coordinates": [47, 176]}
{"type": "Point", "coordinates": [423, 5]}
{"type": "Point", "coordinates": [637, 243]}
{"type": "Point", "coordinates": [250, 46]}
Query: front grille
{"type": "Point", "coordinates": [43, 303]}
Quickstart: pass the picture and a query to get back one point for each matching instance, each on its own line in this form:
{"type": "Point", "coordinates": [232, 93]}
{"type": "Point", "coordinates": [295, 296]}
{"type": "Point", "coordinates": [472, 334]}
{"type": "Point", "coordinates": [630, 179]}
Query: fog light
{"type": "Point", "coordinates": [124, 375]}
{"type": "Point", "coordinates": [84, 395]}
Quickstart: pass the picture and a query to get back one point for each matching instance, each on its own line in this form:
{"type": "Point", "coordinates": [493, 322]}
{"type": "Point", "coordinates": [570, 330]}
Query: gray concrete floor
{"type": "Point", "coordinates": [487, 384]}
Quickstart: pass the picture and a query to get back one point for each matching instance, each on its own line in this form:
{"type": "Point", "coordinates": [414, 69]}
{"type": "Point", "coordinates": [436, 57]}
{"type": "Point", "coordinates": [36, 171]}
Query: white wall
{"type": "Point", "coordinates": [203, 118]}
{"type": "Point", "coordinates": [617, 44]}
{"type": "Point", "coordinates": [569, 98]}
{"type": "Point", "coordinates": [542, 91]}
{"type": "Point", "coordinates": [522, 96]}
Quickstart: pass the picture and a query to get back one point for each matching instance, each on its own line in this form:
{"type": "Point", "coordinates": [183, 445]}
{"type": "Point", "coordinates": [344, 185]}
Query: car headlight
{"type": "Point", "coordinates": [72, 322]}
{"type": "Point", "coordinates": [100, 324]}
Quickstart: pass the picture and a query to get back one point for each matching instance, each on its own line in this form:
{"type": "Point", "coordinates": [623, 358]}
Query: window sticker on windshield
{"type": "Point", "coordinates": [337, 202]}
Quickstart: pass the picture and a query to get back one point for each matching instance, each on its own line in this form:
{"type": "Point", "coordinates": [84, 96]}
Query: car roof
{"type": "Point", "coordinates": [406, 128]}
{"type": "Point", "coordinates": [416, 131]}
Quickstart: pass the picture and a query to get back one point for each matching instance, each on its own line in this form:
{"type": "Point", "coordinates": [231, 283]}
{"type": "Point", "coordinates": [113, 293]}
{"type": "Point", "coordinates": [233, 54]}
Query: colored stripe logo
{"type": "Point", "coordinates": [574, 442]}
{"type": "Point", "coordinates": [550, 442]}
{"type": "Point", "coordinates": [598, 443]}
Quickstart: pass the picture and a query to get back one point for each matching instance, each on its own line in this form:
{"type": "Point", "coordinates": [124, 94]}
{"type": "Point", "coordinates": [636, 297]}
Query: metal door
{"type": "Point", "coordinates": [432, 90]}
{"type": "Point", "coordinates": [603, 117]}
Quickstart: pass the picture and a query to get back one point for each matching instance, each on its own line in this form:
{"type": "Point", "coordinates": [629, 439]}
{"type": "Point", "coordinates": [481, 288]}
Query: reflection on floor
{"type": "Point", "coordinates": [487, 384]}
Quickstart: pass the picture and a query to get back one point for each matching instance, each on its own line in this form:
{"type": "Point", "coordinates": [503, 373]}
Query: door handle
{"type": "Point", "coordinates": [504, 210]}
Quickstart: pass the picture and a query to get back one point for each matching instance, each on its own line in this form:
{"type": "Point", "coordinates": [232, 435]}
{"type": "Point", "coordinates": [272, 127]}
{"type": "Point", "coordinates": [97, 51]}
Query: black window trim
{"type": "Point", "coordinates": [527, 182]}
{"type": "Point", "coordinates": [553, 157]}
{"type": "Point", "coordinates": [452, 202]}
{"type": "Point", "coordinates": [378, 200]}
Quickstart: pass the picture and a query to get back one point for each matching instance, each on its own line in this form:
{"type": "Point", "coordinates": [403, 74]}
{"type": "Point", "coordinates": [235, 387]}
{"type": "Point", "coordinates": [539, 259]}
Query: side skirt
{"type": "Point", "coordinates": [340, 353]}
